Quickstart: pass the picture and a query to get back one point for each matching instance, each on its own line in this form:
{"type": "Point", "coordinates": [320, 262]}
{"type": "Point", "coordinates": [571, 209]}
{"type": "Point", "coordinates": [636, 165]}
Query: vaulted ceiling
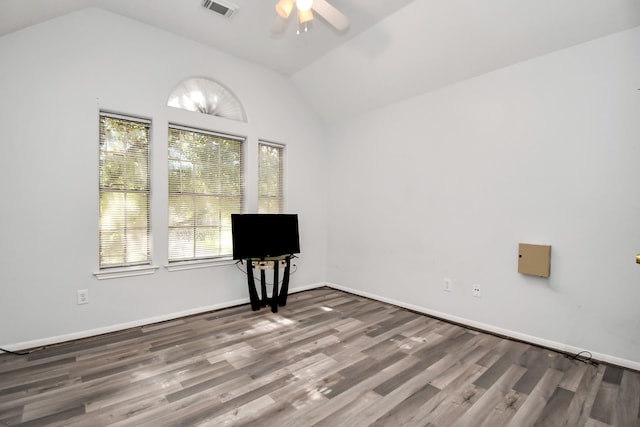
{"type": "Point", "coordinates": [393, 50]}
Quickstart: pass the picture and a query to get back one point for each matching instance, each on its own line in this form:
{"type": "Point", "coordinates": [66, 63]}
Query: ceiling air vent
{"type": "Point", "coordinates": [222, 7]}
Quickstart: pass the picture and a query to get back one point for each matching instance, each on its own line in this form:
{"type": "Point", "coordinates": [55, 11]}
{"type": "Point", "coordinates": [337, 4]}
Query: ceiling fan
{"type": "Point", "coordinates": [304, 11]}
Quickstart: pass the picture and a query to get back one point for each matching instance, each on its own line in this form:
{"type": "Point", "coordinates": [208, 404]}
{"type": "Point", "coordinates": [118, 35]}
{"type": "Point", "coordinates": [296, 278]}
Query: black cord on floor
{"type": "Point", "coordinates": [18, 353]}
{"type": "Point", "coordinates": [584, 357]}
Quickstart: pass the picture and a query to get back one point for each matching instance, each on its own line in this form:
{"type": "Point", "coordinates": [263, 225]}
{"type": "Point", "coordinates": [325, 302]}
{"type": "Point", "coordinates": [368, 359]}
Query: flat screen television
{"type": "Point", "coordinates": [259, 236]}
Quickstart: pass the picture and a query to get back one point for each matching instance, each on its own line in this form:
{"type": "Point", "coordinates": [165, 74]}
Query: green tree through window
{"type": "Point", "coordinates": [124, 191]}
{"type": "Point", "coordinates": [205, 188]}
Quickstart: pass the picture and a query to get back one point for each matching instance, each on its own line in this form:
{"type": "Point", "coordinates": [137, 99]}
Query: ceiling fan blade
{"type": "Point", "coordinates": [330, 14]}
{"type": "Point", "coordinates": [279, 25]}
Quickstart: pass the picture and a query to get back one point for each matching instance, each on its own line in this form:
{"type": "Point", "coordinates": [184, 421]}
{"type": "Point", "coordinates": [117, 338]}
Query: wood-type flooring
{"type": "Point", "coordinates": [328, 358]}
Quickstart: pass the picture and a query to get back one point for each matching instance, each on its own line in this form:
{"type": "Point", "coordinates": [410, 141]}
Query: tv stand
{"type": "Point", "coordinates": [277, 298]}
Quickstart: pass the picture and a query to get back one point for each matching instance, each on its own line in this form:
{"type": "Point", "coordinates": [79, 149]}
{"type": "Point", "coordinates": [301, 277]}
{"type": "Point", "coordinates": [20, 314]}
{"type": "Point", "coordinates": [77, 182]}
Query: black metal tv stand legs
{"type": "Point", "coordinates": [253, 295]}
{"type": "Point", "coordinates": [282, 298]}
{"type": "Point", "coordinates": [277, 298]}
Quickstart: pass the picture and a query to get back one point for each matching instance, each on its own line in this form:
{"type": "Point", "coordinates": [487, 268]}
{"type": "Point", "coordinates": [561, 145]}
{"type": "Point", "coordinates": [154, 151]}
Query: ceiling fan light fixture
{"type": "Point", "coordinates": [305, 12]}
{"type": "Point", "coordinates": [284, 8]}
{"type": "Point", "coordinates": [304, 5]}
{"type": "Point", "coordinates": [305, 16]}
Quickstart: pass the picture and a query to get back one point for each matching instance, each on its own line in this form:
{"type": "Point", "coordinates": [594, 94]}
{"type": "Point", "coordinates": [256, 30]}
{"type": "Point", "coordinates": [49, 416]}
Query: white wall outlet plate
{"type": "Point", "coordinates": [82, 296]}
{"type": "Point", "coordinates": [476, 291]}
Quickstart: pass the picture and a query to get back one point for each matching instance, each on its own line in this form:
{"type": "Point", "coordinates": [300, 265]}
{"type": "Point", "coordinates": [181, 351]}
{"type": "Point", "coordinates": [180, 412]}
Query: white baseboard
{"type": "Point", "coordinates": [307, 287]}
{"type": "Point", "coordinates": [136, 323]}
{"type": "Point", "coordinates": [463, 321]}
{"type": "Point", "coordinates": [553, 345]}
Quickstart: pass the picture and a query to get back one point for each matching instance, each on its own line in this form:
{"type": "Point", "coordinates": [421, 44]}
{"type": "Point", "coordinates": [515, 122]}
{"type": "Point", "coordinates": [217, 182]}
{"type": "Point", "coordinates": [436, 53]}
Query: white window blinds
{"type": "Point", "coordinates": [270, 178]}
{"type": "Point", "coordinates": [205, 188]}
{"type": "Point", "coordinates": [124, 191]}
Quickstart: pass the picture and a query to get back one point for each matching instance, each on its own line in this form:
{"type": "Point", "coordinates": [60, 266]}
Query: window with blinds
{"type": "Point", "coordinates": [205, 188]}
{"type": "Point", "coordinates": [124, 191]}
{"type": "Point", "coordinates": [270, 178]}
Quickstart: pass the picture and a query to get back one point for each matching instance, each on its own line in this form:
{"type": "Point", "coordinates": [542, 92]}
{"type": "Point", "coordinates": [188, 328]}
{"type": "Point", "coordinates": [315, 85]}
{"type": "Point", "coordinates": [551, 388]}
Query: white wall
{"type": "Point", "coordinates": [55, 77]}
{"type": "Point", "coordinates": [447, 184]}
{"type": "Point", "coordinates": [442, 185]}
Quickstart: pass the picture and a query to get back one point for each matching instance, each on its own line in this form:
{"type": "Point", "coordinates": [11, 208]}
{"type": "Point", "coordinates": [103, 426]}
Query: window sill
{"type": "Point", "coordinates": [115, 273]}
{"type": "Point", "coordinates": [190, 265]}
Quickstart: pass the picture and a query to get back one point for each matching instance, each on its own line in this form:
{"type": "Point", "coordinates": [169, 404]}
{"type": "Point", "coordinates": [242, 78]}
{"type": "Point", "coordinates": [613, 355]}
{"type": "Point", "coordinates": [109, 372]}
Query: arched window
{"type": "Point", "coordinates": [207, 97]}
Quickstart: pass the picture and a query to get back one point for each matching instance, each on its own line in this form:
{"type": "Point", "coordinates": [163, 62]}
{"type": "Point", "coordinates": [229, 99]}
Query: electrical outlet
{"type": "Point", "coordinates": [82, 296]}
{"type": "Point", "coordinates": [447, 286]}
{"type": "Point", "coordinates": [476, 290]}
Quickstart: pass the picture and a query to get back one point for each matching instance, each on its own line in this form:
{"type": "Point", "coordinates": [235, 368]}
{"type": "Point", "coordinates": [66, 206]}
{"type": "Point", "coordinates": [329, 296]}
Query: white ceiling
{"type": "Point", "coordinates": [246, 34]}
{"type": "Point", "coordinates": [394, 49]}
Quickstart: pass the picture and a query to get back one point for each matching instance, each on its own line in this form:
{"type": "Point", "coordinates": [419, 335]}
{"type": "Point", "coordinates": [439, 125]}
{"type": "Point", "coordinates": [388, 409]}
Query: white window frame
{"type": "Point", "coordinates": [279, 198]}
{"type": "Point", "coordinates": [126, 268]}
{"type": "Point", "coordinates": [223, 226]}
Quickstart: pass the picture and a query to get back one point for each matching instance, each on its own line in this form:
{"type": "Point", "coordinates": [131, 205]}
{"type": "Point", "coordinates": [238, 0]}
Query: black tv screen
{"type": "Point", "coordinates": [258, 236]}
